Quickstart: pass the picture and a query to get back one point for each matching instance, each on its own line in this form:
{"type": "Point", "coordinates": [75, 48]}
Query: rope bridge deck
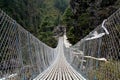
{"type": "Point", "coordinates": [95, 57]}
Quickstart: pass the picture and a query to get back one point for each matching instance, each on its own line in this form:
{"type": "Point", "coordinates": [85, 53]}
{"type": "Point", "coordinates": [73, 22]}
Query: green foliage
{"type": "Point", "coordinates": [106, 71]}
{"type": "Point", "coordinates": [37, 16]}
{"type": "Point", "coordinates": [61, 5]}
{"type": "Point", "coordinates": [84, 15]}
{"type": "Point", "coordinates": [68, 21]}
{"type": "Point", "coordinates": [49, 21]}
{"type": "Point", "coordinates": [67, 18]}
{"type": "Point", "coordinates": [77, 27]}
{"type": "Point", "coordinates": [45, 31]}
{"type": "Point", "coordinates": [26, 13]}
{"type": "Point", "coordinates": [48, 38]}
{"type": "Point", "coordinates": [84, 20]}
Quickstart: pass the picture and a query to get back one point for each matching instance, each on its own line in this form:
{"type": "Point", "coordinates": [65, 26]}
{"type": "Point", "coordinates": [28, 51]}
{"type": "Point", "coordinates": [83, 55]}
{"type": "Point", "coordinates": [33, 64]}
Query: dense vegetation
{"type": "Point", "coordinates": [106, 71]}
{"type": "Point", "coordinates": [37, 16]}
{"type": "Point", "coordinates": [40, 17]}
{"type": "Point", "coordinates": [84, 15]}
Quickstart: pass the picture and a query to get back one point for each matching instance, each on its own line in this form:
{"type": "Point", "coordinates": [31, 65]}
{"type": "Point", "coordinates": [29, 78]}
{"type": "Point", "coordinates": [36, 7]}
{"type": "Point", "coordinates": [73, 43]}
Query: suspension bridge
{"type": "Point", "coordinates": [95, 57]}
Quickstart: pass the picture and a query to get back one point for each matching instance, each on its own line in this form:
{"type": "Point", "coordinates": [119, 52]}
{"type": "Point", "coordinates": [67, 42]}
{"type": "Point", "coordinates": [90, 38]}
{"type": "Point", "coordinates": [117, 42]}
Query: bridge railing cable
{"type": "Point", "coordinates": [22, 56]}
{"type": "Point", "coordinates": [97, 56]}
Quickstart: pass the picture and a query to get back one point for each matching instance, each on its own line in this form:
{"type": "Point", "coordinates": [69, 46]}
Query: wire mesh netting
{"type": "Point", "coordinates": [97, 56]}
{"type": "Point", "coordinates": [22, 56]}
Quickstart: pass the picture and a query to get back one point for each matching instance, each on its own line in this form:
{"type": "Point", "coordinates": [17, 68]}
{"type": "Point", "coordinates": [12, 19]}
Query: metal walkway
{"type": "Point", "coordinates": [60, 69]}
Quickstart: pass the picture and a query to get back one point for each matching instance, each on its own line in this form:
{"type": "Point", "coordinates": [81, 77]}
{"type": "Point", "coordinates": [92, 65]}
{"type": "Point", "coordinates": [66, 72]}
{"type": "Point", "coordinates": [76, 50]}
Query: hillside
{"type": "Point", "coordinates": [82, 16]}
{"type": "Point", "coordinates": [37, 16]}
{"type": "Point", "coordinates": [41, 17]}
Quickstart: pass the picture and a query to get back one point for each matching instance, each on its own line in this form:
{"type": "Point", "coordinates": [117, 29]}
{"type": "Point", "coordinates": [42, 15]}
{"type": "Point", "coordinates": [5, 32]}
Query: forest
{"type": "Point", "coordinates": [41, 17]}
